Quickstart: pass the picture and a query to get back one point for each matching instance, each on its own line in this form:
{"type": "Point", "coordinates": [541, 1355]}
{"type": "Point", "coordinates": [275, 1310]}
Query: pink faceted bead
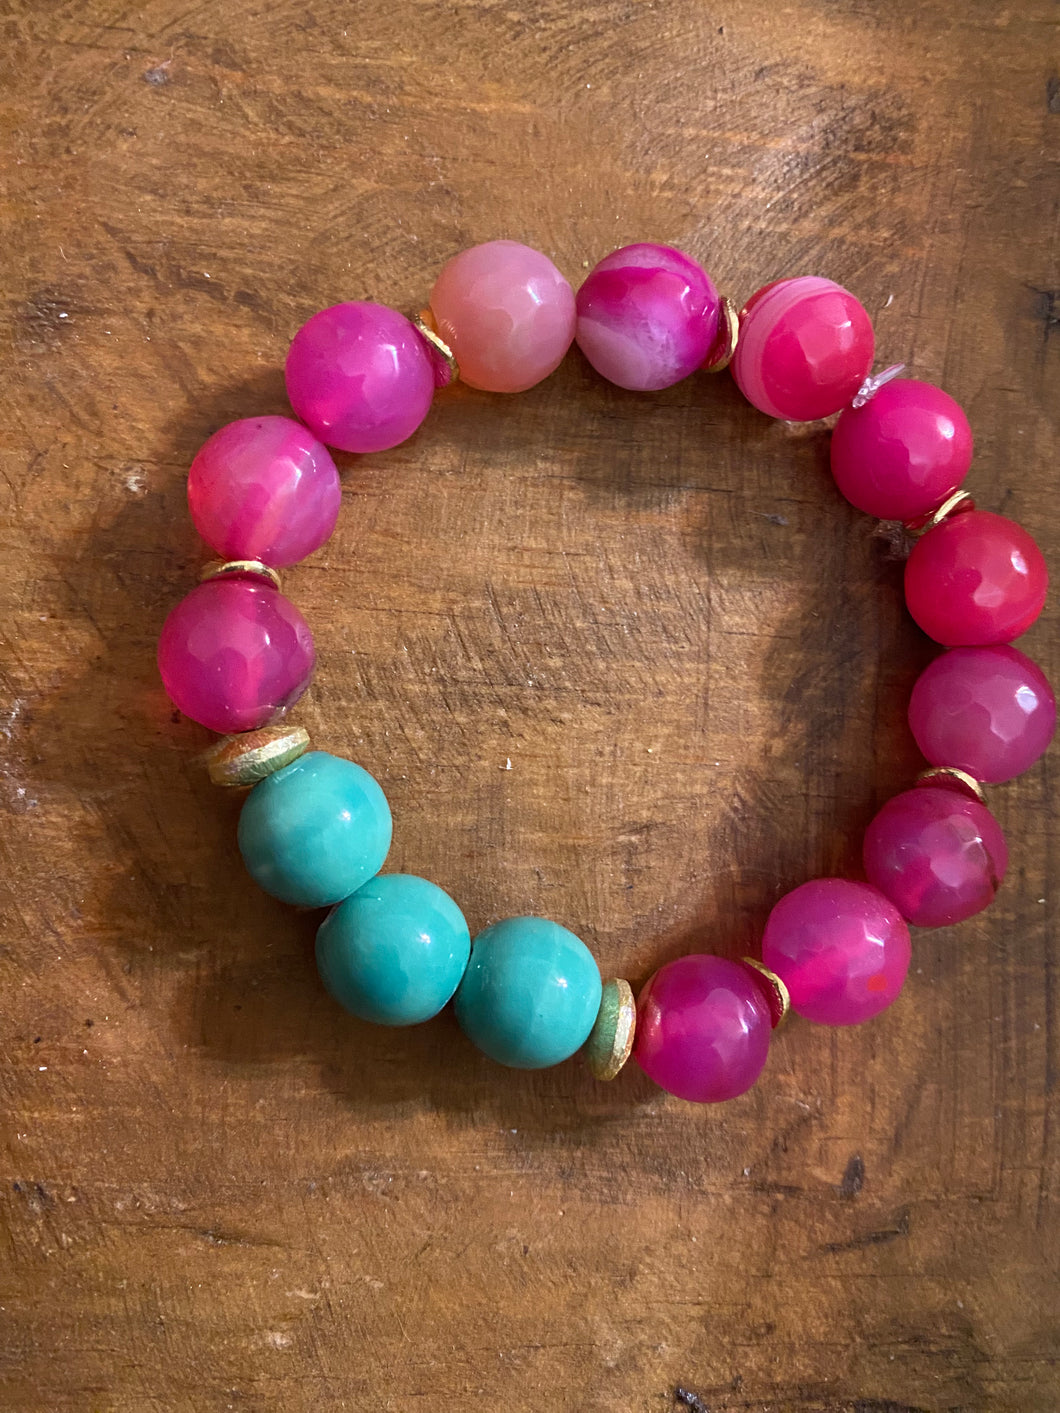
{"type": "Point", "coordinates": [976, 579]}
{"type": "Point", "coordinates": [805, 348]}
{"type": "Point", "coordinates": [702, 1029]}
{"type": "Point", "coordinates": [902, 453]}
{"type": "Point", "coordinates": [939, 856]}
{"type": "Point", "coordinates": [647, 316]}
{"type": "Point", "coordinates": [841, 949]}
{"type": "Point", "coordinates": [264, 488]}
{"type": "Point", "coordinates": [989, 711]}
{"type": "Point", "coordinates": [234, 654]}
{"type": "Point", "coordinates": [358, 375]}
{"type": "Point", "coordinates": [506, 312]}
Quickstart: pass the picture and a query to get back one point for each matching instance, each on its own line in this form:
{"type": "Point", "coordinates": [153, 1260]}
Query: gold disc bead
{"type": "Point", "coordinates": [955, 504]}
{"type": "Point", "coordinates": [247, 758]}
{"type": "Point", "coordinates": [950, 778]}
{"type": "Point", "coordinates": [239, 569]}
{"type": "Point", "coordinates": [443, 360]}
{"type": "Point", "coordinates": [720, 355]}
{"type": "Point", "coordinates": [776, 992]}
{"type": "Point", "coordinates": [610, 1042]}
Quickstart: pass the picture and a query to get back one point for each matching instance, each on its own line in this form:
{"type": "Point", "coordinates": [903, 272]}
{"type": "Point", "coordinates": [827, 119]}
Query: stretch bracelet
{"type": "Point", "coordinates": [315, 829]}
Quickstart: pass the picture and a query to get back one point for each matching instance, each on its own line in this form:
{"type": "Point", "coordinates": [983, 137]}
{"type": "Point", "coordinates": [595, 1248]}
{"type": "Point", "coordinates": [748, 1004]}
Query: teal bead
{"type": "Point", "coordinates": [394, 951]}
{"type": "Point", "coordinates": [531, 993]}
{"type": "Point", "coordinates": [314, 831]}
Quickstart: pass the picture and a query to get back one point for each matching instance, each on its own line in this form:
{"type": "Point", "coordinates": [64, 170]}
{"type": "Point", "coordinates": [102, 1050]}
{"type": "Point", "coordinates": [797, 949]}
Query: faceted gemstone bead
{"type": "Point", "coordinates": [234, 654]}
{"type": "Point", "coordinates": [974, 580]}
{"type": "Point", "coordinates": [359, 376]}
{"type": "Point", "coordinates": [805, 348]}
{"type": "Point", "coordinates": [507, 314]}
{"type": "Point", "coordinates": [939, 856]}
{"type": "Point", "coordinates": [841, 949]}
{"type": "Point", "coordinates": [264, 488]}
{"type": "Point", "coordinates": [314, 832]}
{"type": "Point", "coordinates": [530, 994]}
{"type": "Point", "coordinates": [647, 316]}
{"type": "Point", "coordinates": [703, 1029]}
{"type": "Point", "coordinates": [989, 711]}
{"type": "Point", "coordinates": [393, 952]}
{"type": "Point", "coordinates": [902, 453]}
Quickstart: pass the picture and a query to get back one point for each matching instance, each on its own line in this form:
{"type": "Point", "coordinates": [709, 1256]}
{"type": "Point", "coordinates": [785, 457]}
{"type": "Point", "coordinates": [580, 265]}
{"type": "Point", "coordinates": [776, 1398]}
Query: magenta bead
{"type": "Point", "coordinates": [805, 348]}
{"type": "Point", "coordinates": [989, 711]}
{"type": "Point", "coordinates": [702, 1029]}
{"type": "Point", "coordinates": [358, 375]}
{"type": "Point", "coordinates": [234, 654]}
{"type": "Point", "coordinates": [264, 488]}
{"type": "Point", "coordinates": [507, 314]}
{"type": "Point", "coordinates": [975, 580]}
{"type": "Point", "coordinates": [939, 856]}
{"type": "Point", "coordinates": [841, 949]}
{"type": "Point", "coordinates": [902, 453]}
{"type": "Point", "coordinates": [647, 316]}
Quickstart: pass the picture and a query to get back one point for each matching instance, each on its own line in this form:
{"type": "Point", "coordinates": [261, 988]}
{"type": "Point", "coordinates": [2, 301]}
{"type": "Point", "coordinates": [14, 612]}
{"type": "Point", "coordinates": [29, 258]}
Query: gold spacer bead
{"type": "Point", "coordinates": [950, 778]}
{"type": "Point", "coordinates": [780, 1001]}
{"type": "Point", "coordinates": [249, 757]}
{"type": "Point", "coordinates": [423, 322]}
{"type": "Point", "coordinates": [610, 1042]}
{"type": "Point", "coordinates": [237, 569]}
{"type": "Point", "coordinates": [720, 356]}
{"type": "Point", "coordinates": [955, 504]}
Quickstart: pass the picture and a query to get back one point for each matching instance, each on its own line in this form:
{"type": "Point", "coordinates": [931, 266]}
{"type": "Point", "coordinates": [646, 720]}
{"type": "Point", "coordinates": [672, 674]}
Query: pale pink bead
{"type": "Point", "coordinates": [264, 488]}
{"type": "Point", "coordinates": [506, 312]}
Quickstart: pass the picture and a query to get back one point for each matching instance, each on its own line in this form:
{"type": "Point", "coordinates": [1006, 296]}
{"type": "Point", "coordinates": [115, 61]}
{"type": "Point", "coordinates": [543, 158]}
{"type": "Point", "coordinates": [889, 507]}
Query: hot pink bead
{"type": "Point", "coordinates": [989, 711]}
{"type": "Point", "coordinates": [506, 312]}
{"type": "Point", "coordinates": [264, 488]}
{"type": "Point", "coordinates": [359, 376]}
{"type": "Point", "coordinates": [234, 654]}
{"type": "Point", "coordinates": [647, 316]}
{"type": "Point", "coordinates": [702, 1029]}
{"type": "Point", "coordinates": [939, 856]}
{"type": "Point", "coordinates": [902, 453]}
{"type": "Point", "coordinates": [805, 348]}
{"type": "Point", "coordinates": [840, 948]}
{"type": "Point", "coordinates": [975, 579]}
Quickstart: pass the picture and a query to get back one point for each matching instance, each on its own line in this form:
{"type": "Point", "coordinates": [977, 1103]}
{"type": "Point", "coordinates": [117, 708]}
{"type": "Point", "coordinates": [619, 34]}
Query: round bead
{"type": "Point", "coordinates": [507, 314]}
{"type": "Point", "coordinates": [393, 952]}
{"type": "Point", "coordinates": [805, 348]}
{"type": "Point", "coordinates": [234, 654]}
{"type": "Point", "coordinates": [610, 1042]}
{"type": "Point", "coordinates": [359, 376]}
{"type": "Point", "coordinates": [314, 832]}
{"type": "Point", "coordinates": [841, 949]}
{"type": "Point", "coordinates": [989, 711]}
{"type": "Point", "coordinates": [647, 316]}
{"type": "Point", "coordinates": [702, 1029]}
{"type": "Point", "coordinates": [975, 580]}
{"type": "Point", "coordinates": [531, 993]}
{"type": "Point", "coordinates": [903, 452]}
{"type": "Point", "coordinates": [939, 856]}
{"type": "Point", "coordinates": [249, 757]}
{"type": "Point", "coordinates": [264, 488]}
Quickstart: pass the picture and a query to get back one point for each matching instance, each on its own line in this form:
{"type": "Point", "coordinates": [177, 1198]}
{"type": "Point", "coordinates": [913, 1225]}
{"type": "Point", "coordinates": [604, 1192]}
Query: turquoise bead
{"type": "Point", "coordinates": [314, 831]}
{"type": "Point", "coordinates": [531, 993]}
{"type": "Point", "coordinates": [394, 951]}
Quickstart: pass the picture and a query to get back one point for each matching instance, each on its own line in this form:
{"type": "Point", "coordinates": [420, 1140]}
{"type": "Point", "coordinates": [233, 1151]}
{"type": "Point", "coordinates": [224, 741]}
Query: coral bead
{"type": "Point", "coordinates": [989, 711]}
{"type": "Point", "coordinates": [507, 314]}
{"type": "Point", "coordinates": [312, 833]}
{"type": "Point", "coordinates": [805, 348]}
{"type": "Point", "coordinates": [939, 856]}
{"type": "Point", "coordinates": [359, 376]}
{"type": "Point", "coordinates": [234, 654]}
{"type": "Point", "coordinates": [703, 1029]}
{"type": "Point", "coordinates": [841, 949]}
{"type": "Point", "coordinates": [264, 488]}
{"type": "Point", "coordinates": [904, 452]}
{"type": "Point", "coordinates": [975, 580]}
{"type": "Point", "coordinates": [647, 316]}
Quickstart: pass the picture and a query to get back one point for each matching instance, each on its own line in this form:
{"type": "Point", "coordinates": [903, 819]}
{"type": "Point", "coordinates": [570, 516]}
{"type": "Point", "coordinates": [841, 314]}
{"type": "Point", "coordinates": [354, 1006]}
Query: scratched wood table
{"type": "Point", "coordinates": [626, 661]}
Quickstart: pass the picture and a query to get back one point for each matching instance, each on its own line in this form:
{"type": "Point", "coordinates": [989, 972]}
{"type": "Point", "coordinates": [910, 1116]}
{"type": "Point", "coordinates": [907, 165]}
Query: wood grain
{"type": "Point", "coordinates": [626, 661]}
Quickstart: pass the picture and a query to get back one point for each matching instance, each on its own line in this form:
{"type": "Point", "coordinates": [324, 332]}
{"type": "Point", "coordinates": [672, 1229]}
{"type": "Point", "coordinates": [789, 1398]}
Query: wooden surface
{"type": "Point", "coordinates": [626, 661]}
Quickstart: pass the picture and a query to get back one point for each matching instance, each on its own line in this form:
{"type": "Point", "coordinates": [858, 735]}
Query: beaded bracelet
{"type": "Point", "coordinates": [315, 829]}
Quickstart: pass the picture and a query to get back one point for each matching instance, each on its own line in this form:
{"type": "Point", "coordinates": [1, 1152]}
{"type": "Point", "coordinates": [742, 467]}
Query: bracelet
{"type": "Point", "coordinates": [315, 829]}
